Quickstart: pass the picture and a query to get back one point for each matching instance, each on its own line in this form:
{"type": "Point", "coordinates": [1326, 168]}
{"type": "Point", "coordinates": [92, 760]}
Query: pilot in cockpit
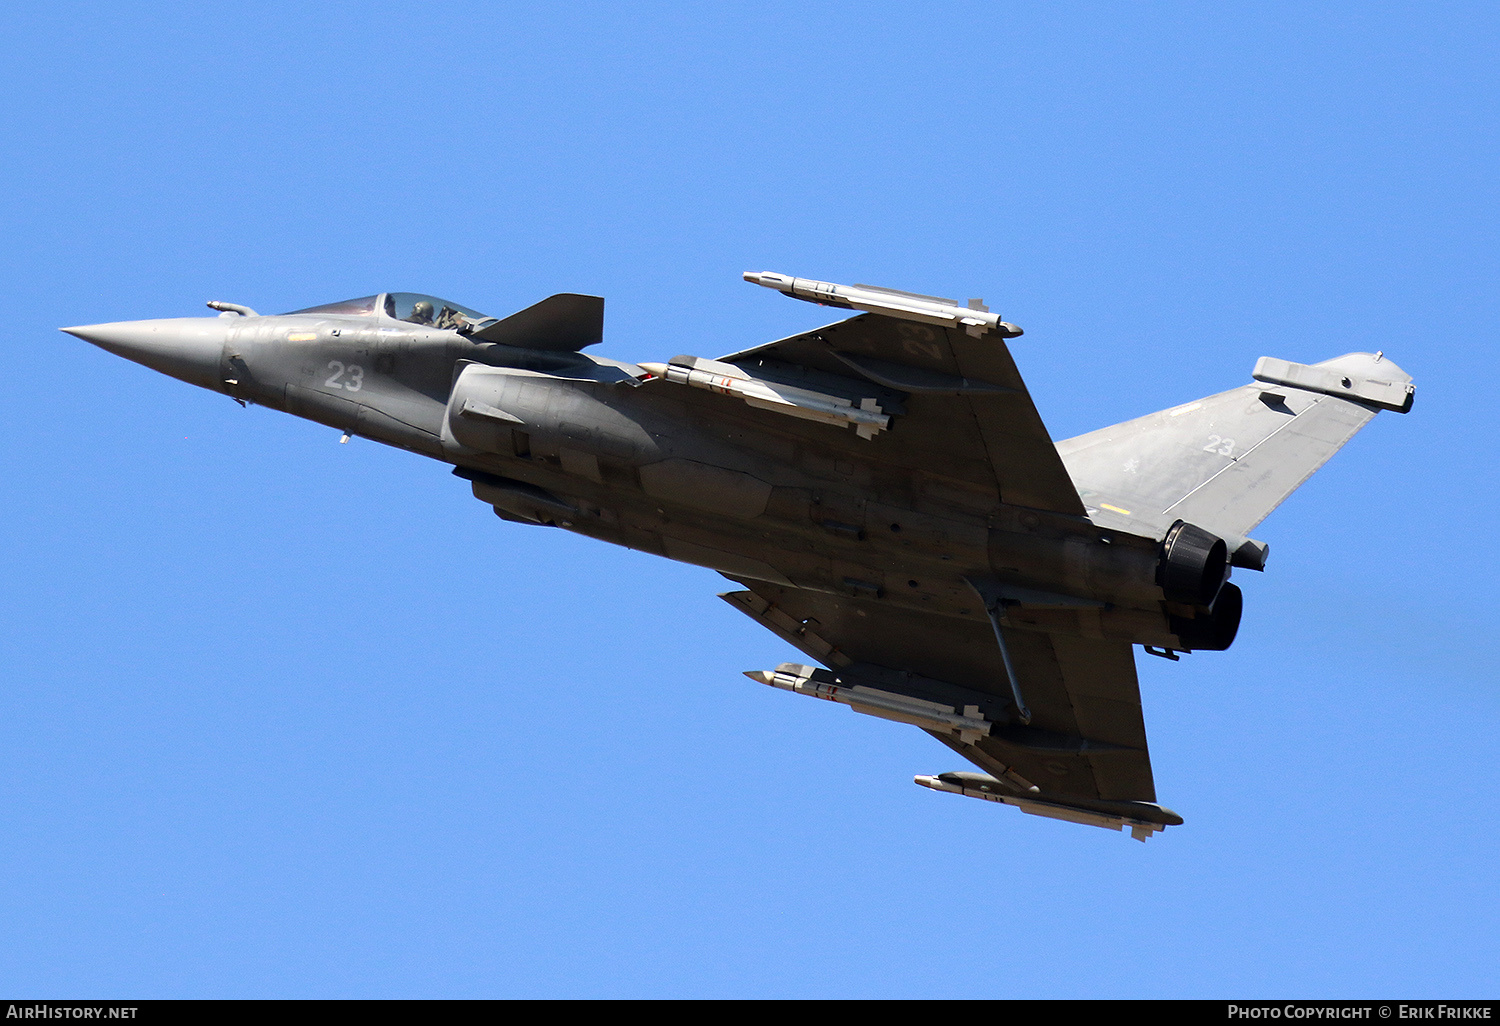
{"type": "Point", "coordinates": [421, 313]}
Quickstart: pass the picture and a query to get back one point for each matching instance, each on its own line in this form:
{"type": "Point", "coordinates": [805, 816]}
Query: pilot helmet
{"type": "Point", "coordinates": [421, 312]}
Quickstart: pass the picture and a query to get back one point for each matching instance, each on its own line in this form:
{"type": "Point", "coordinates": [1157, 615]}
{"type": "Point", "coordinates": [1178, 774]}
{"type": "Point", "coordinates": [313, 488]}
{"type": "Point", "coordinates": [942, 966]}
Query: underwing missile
{"type": "Point", "coordinates": [807, 680]}
{"type": "Point", "coordinates": [976, 318]}
{"type": "Point", "coordinates": [1152, 818]}
{"type": "Point", "coordinates": [727, 379]}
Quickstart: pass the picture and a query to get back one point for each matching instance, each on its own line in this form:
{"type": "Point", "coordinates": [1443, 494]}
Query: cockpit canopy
{"type": "Point", "coordinates": [347, 307]}
{"type": "Point", "coordinates": [412, 307]}
{"type": "Point", "coordinates": [440, 313]}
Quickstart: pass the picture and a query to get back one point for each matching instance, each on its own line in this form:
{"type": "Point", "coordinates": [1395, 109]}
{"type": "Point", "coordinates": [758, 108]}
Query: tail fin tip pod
{"type": "Point", "coordinates": [1364, 377]}
{"type": "Point", "coordinates": [1226, 461]}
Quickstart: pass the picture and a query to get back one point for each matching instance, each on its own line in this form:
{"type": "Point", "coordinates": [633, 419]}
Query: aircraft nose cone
{"type": "Point", "coordinates": [186, 348]}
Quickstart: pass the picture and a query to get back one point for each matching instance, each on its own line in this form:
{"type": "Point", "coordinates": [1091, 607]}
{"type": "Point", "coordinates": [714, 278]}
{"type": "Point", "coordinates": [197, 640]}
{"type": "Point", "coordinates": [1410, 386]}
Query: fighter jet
{"type": "Point", "coordinates": [881, 490]}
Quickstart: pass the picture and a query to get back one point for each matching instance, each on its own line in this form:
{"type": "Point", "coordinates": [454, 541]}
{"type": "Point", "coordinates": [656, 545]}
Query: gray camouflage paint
{"type": "Point", "coordinates": [907, 561]}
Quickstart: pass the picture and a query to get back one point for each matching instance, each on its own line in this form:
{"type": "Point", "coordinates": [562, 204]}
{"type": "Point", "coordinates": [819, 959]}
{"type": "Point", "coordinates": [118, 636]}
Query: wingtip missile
{"type": "Point", "coordinates": [770, 280]}
{"type": "Point", "coordinates": [1150, 818]}
{"type": "Point", "coordinates": [975, 319]}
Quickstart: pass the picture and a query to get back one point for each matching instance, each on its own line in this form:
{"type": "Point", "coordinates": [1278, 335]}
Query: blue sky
{"type": "Point", "coordinates": [281, 717]}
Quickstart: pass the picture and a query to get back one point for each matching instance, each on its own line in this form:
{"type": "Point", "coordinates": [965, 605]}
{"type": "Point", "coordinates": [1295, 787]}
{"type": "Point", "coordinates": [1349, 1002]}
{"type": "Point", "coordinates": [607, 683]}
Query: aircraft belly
{"type": "Point", "coordinates": [323, 407]}
{"type": "Point", "coordinates": [824, 538]}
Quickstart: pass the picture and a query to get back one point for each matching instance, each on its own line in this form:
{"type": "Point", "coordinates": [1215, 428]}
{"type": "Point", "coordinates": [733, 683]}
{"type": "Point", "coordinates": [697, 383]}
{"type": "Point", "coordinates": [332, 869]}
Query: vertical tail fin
{"type": "Point", "coordinates": [1226, 461]}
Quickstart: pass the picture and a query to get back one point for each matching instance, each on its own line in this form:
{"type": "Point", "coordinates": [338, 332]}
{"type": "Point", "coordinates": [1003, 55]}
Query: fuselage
{"type": "Point", "coordinates": [605, 449]}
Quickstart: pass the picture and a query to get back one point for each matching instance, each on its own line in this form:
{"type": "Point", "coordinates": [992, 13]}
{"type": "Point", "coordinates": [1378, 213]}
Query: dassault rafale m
{"type": "Point", "coordinates": [881, 489]}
